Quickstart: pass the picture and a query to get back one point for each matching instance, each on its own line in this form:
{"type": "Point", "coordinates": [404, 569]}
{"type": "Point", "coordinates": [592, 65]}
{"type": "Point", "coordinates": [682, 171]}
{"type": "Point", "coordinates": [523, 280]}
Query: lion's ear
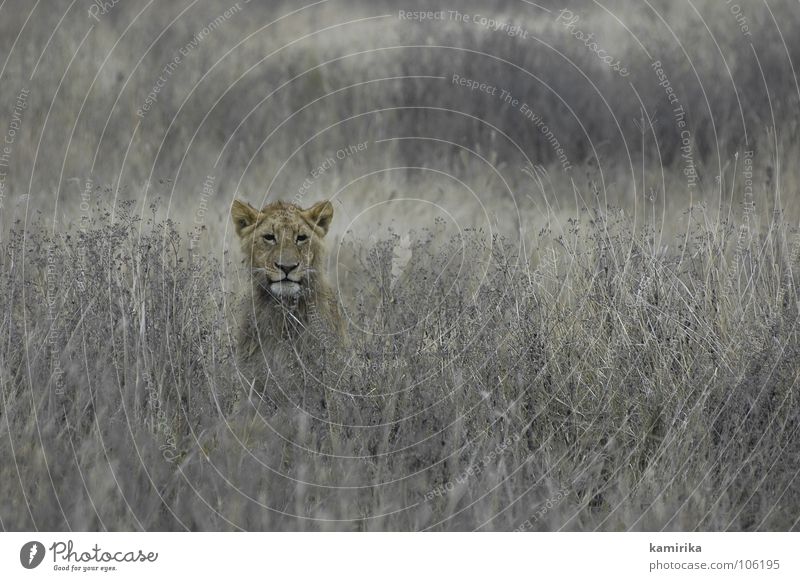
{"type": "Point", "coordinates": [321, 215]}
{"type": "Point", "coordinates": [243, 215]}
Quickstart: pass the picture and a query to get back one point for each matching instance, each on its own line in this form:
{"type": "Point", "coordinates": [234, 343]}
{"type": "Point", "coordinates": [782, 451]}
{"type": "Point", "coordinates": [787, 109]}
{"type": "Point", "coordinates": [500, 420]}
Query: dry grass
{"type": "Point", "coordinates": [640, 390]}
{"type": "Point", "coordinates": [532, 349]}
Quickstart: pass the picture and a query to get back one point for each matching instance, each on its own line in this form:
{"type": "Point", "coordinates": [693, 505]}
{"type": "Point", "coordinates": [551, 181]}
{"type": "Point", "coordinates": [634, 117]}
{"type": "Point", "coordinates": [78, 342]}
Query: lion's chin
{"type": "Point", "coordinates": [285, 289]}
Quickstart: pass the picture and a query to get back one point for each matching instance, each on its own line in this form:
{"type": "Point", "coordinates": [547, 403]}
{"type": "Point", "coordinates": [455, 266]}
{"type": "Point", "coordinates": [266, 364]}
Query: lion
{"type": "Point", "coordinates": [291, 313]}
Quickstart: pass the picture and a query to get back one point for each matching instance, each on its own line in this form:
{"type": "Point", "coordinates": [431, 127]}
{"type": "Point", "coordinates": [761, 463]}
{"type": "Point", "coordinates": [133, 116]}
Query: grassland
{"type": "Point", "coordinates": [612, 346]}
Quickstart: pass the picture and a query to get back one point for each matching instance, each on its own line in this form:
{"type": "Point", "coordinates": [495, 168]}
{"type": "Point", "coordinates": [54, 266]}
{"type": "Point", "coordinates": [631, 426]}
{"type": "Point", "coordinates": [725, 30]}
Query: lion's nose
{"type": "Point", "coordinates": [286, 268]}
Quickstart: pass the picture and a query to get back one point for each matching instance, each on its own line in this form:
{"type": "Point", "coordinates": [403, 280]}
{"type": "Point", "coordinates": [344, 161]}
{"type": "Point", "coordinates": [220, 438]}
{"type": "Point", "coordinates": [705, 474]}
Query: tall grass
{"type": "Point", "coordinates": [597, 382]}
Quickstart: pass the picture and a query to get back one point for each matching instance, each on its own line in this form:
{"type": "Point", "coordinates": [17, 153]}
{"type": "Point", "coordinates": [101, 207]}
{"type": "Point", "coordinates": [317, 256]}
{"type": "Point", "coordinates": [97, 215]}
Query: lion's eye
{"type": "Point", "coordinates": [302, 237]}
{"type": "Point", "coordinates": [269, 237]}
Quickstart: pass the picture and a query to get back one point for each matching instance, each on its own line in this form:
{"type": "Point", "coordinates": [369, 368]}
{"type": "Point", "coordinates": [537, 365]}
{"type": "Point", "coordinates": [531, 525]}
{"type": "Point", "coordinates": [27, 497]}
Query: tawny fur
{"type": "Point", "coordinates": [285, 324]}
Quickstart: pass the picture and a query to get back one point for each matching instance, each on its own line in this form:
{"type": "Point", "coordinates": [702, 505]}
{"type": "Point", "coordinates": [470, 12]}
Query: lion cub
{"type": "Point", "coordinates": [291, 315]}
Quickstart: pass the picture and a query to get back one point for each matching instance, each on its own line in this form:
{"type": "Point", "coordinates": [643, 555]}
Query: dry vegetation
{"type": "Point", "coordinates": [602, 349]}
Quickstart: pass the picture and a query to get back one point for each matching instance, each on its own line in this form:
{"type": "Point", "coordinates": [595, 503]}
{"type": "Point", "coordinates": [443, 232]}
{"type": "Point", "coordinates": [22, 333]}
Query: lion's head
{"type": "Point", "coordinates": [283, 244]}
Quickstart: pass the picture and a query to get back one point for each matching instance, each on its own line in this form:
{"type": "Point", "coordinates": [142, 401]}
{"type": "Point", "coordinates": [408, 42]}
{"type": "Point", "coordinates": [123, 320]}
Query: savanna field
{"type": "Point", "coordinates": [568, 266]}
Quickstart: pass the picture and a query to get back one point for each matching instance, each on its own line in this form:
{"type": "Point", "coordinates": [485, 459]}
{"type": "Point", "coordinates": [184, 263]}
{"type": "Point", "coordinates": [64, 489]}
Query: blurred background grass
{"type": "Point", "coordinates": [274, 89]}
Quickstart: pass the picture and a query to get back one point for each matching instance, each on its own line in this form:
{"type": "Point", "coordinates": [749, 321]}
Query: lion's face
{"type": "Point", "coordinates": [283, 243]}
